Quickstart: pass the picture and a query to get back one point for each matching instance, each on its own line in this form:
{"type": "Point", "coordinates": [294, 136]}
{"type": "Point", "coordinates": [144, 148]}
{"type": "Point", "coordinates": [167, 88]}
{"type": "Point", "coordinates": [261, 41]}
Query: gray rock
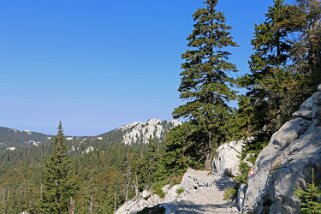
{"type": "Point", "coordinates": [319, 87]}
{"type": "Point", "coordinates": [305, 110]}
{"type": "Point", "coordinates": [316, 97]}
{"type": "Point", "coordinates": [228, 158]}
{"type": "Point", "coordinates": [286, 163]}
{"type": "Point", "coordinates": [146, 194]}
{"type": "Point", "coordinates": [240, 197]}
{"type": "Point", "coordinates": [290, 131]}
{"type": "Point", "coordinates": [307, 114]}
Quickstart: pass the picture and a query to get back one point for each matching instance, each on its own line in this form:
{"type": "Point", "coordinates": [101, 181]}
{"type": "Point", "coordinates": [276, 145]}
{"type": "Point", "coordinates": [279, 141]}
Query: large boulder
{"type": "Point", "coordinates": [287, 162]}
{"type": "Point", "coordinates": [137, 204]}
{"type": "Point", "coordinates": [227, 160]}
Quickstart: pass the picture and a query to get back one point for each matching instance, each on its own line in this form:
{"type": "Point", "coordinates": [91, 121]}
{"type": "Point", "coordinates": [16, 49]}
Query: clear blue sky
{"type": "Point", "coordinates": [96, 65]}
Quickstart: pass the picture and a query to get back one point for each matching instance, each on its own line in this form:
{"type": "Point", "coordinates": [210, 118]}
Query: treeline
{"type": "Point", "coordinates": [285, 68]}
{"type": "Point", "coordinates": [98, 181]}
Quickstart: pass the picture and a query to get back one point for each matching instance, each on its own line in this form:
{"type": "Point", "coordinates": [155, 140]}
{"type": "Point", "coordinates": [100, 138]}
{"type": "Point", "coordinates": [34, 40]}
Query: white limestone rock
{"type": "Point", "coordinates": [146, 194]}
{"type": "Point", "coordinates": [139, 132]}
{"type": "Point", "coordinates": [137, 204]}
{"type": "Point", "coordinates": [11, 148]}
{"type": "Point", "coordinates": [286, 163]}
{"type": "Point", "coordinates": [28, 132]}
{"type": "Point", "coordinates": [305, 110]}
{"type": "Point", "coordinates": [228, 158]}
{"type": "Point", "coordinates": [88, 150]}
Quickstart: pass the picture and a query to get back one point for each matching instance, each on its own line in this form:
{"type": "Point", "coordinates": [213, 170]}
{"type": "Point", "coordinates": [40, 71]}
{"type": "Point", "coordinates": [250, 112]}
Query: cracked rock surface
{"type": "Point", "coordinates": [228, 158]}
{"type": "Point", "coordinates": [287, 162]}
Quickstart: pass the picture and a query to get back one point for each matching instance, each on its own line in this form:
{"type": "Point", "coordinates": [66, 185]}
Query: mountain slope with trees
{"type": "Point", "coordinates": [285, 68]}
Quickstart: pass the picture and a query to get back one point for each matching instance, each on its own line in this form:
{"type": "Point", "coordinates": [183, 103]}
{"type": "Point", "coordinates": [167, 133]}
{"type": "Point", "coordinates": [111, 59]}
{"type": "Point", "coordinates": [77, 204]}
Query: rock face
{"type": "Point", "coordinates": [228, 158]}
{"type": "Point", "coordinates": [287, 162]}
{"type": "Point", "coordinates": [198, 192]}
{"type": "Point", "coordinates": [140, 132]}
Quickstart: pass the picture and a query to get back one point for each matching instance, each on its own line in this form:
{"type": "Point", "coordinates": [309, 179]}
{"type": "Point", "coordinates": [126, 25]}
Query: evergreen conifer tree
{"type": "Point", "coordinates": [272, 86]}
{"type": "Point", "coordinates": [307, 51]}
{"type": "Point", "coordinates": [310, 197]}
{"type": "Point", "coordinates": [57, 178]}
{"type": "Point", "coordinates": [204, 79]}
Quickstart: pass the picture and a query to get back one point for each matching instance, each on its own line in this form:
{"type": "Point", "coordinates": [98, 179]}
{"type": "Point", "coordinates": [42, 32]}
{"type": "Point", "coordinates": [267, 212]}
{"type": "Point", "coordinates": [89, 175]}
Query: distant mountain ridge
{"type": "Point", "coordinates": [137, 132]}
{"type": "Point", "coordinates": [10, 138]}
{"type": "Point", "coordinates": [141, 132]}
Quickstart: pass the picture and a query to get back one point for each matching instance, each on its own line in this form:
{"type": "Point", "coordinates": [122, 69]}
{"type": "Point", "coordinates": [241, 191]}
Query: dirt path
{"type": "Point", "coordinates": [207, 199]}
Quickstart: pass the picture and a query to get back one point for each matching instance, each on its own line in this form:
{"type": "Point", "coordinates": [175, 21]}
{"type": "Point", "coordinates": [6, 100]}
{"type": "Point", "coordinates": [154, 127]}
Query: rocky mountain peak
{"type": "Point", "coordinates": [142, 132]}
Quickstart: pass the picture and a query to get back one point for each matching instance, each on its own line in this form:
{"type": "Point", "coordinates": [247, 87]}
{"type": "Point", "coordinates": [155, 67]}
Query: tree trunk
{"type": "Point", "coordinates": [91, 204]}
{"type": "Point", "coordinates": [208, 162]}
{"type": "Point", "coordinates": [136, 186]}
{"type": "Point", "coordinates": [115, 201]}
{"type": "Point", "coordinates": [72, 206]}
{"type": "Point", "coordinates": [128, 182]}
{"type": "Point", "coordinates": [208, 156]}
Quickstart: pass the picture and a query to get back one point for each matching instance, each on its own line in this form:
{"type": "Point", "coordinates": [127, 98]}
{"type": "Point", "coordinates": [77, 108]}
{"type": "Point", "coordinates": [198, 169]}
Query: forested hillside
{"type": "Point", "coordinates": [103, 172]}
{"type": "Point", "coordinates": [106, 171]}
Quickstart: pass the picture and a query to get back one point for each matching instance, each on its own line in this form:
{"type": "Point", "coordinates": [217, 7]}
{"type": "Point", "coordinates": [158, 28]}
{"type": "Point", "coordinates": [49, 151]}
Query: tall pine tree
{"type": "Point", "coordinates": [307, 51]}
{"type": "Point", "coordinates": [272, 86]}
{"type": "Point", "coordinates": [205, 82]}
{"type": "Point", "coordinates": [57, 179]}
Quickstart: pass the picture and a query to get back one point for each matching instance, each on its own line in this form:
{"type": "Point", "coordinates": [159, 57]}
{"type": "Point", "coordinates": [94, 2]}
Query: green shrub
{"type": "Point", "coordinates": [230, 193]}
{"type": "Point", "coordinates": [244, 169]}
{"type": "Point", "coordinates": [174, 180]}
{"type": "Point", "coordinates": [180, 191]}
{"type": "Point", "coordinates": [157, 188]}
{"type": "Point", "coordinates": [310, 197]}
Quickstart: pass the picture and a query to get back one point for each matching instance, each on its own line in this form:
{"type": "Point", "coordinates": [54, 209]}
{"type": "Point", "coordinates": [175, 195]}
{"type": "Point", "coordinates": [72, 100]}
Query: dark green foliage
{"type": "Point", "coordinates": [307, 50]}
{"type": "Point", "coordinates": [57, 179]}
{"type": "Point", "coordinates": [273, 90]}
{"type": "Point", "coordinates": [244, 169]}
{"type": "Point", "coordinates": [310, 197]}
{"type": "Point", "coordinates": [282, 74]}
{"type": "Point", "coordinates": [102, 176]}
{"type": "Point", "coordinates": [285, 69]}
{"type": "Point", "coordinates": [204, 80]}
{"type": "Point", "coordinates": [181, 148]}
{"type": "Point", "coordinates": [230, 193]}
{"type": "Point", "coordinates": [15, 138]}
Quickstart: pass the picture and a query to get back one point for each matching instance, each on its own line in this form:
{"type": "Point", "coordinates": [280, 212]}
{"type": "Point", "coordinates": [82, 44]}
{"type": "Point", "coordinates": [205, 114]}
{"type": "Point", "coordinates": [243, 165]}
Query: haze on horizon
{"type": "Point", "coordinates": [97, 65]}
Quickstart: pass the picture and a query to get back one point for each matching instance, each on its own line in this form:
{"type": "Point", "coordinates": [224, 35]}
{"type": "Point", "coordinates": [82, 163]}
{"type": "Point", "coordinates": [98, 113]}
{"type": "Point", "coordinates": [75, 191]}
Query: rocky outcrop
{"type": "Point", "coordinates": [287, 162]}
{"type": "Point", "coordinates": [227, 160]}
{"type": "Point", "coordinates": [138, 204]}
{"type": "Point", "coordinates": [140, 132]}
{"type": "Point", "coordinates": [198, 191]}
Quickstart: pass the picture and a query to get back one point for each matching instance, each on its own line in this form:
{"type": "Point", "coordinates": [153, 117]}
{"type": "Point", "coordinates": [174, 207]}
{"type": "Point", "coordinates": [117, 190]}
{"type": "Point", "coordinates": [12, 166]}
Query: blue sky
{"type": "Point", "coordinates": [96, 65]}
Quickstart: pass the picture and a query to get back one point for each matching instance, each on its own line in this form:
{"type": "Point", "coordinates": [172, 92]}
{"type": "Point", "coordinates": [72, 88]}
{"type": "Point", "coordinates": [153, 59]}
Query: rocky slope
{"type": "Point", "coordinates": [287, 162]}
{"type": "Point", "coordinates": [140, 132]}
{"type": "Point", "coordinates": [198, 192]}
